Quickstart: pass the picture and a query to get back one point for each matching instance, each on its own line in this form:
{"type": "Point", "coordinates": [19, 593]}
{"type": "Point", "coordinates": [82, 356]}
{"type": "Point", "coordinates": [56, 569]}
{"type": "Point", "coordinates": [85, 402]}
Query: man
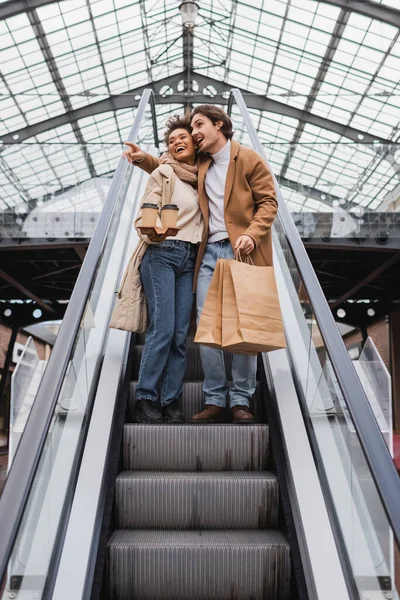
{"type": "Point", "coordinates": [238, 202]}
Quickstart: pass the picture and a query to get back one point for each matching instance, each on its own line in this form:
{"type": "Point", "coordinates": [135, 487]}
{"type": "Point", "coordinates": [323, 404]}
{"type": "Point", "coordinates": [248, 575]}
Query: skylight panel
{"type": "Point", "coordinates": [5, 36]}
{"type": "Point", "coordinates": [11, 60]}
{"type": "Point", "coordinates": [302, 13]}
{"type": "Point", "coordinates": [13, 123]}
{"type": "Point", "coordinates": [271, 21]}
{"type": "Point", "coordinates": [247, 12]}
{"type": "Point", "coordinates": [51, 24]}
{"type": "Point", "coordinates": [294, 200]}
{"type": "Point", "coordinates": [20, 34]}
{"type": "Point", "coordinates": [254, 40]}
{"type": "Point", "coordinates": [100, 7]}
{"type": "Point", "coordinates": [72, 15]}
{"type": "Point", "coordinates": [275, 7]}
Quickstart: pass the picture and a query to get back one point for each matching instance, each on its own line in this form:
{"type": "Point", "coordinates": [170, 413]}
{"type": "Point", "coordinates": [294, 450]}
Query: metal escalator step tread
{"type": "Point", "coordinates": [200, 565]}
{"type": "Point", "coordinates": [222, 447]}
{"type": "Point", "coordinates": [223, 500]}
{"type": "Point", "coordinates": [193, 400]}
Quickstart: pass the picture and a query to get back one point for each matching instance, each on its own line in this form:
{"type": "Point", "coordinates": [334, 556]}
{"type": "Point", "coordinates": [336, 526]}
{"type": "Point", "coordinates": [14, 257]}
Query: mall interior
{"type": "Point", "coordinates": [303, 503]}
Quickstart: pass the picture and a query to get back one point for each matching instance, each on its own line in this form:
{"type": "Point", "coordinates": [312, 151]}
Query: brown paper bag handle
{"type": "Point", "coordinates": [244, 259]}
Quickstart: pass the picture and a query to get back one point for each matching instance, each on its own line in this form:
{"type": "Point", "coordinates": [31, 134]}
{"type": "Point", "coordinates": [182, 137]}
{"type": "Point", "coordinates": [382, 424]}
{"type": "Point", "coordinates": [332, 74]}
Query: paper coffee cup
{"type": "Point", "coordinates": [169, 215]}
{"type": "Point", "coordinates": [149, 214]}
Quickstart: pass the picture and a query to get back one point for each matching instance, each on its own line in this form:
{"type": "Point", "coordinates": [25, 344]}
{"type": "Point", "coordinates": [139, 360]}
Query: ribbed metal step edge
{"type": "Point", "coordinates": [224, 500]}
{"type": "Point", "coordinates": [193, 400]}
{"type": "Point", "coordinates": [200, 565]}
{"type": "Point", "coordinates": [193, 371]}
{"type": "Point", "coordinates": [195, 447]}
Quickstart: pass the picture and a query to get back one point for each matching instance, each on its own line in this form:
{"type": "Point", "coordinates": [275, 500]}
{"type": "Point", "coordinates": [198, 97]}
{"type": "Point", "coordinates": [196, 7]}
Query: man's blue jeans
{"type": "Point", "coordinates": [166, 272]}
{"type": "Point", "coordinates": [243, 367]}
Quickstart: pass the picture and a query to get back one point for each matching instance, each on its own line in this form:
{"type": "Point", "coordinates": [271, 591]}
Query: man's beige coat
{"type": "Point", "coordinates": [250, 200]}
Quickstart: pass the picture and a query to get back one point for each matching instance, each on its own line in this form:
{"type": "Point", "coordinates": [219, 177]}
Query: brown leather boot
{"type": "Point", "coordinates": [242, 414]}
{"type": "Point", "coordinates": [210, 414]}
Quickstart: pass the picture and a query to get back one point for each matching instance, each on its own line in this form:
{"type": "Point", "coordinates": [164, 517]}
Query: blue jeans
{"type": "Point", "coordinates": [166, 273]}
{"type": "Point", "coordinates": [243, 367]}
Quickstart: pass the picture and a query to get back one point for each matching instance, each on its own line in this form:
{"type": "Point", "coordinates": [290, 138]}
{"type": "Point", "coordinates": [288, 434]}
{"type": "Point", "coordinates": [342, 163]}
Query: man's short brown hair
{"type": "Point", "coordinates": [215, 114]}
{"type": "Point", "coordinates": [177, 122]}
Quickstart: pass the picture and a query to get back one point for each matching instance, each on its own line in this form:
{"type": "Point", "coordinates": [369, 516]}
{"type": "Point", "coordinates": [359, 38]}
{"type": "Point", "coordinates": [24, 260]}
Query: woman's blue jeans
{"type": "Point", "coordinates": [166, 273]}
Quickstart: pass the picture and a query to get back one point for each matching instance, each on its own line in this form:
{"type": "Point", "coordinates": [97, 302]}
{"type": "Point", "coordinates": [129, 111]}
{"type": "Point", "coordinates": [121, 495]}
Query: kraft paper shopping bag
{"type": "Point", "coordinates": [251, 315]}
{"type": "Point", "coordinates": [209, 327]}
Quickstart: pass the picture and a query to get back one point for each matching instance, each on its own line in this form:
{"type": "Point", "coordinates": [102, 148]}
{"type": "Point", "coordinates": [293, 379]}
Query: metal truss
{"type": "Point", "coordinates": [145, 38]}
{"type": "Point", "coordinates": [390, 262]}
{"type": "Point", "coordinates": [318, 81]}
{"type": "Point", "coordinates": [253, 101]}
{"type": "Point", "coordinates": [12, 178]}
{"type": "Point", "coordinates": [57, 79]}
{"type": "Point", "coordinates": [101, 62]}
{"type": "Point", "coordinates": [11, 8]}
{"type": "Point", "coordinates": [311, 192]}
{"type": "Point", "coordinates": [229, 43]}
{"type": "Point", "coordinates": [381, 12]}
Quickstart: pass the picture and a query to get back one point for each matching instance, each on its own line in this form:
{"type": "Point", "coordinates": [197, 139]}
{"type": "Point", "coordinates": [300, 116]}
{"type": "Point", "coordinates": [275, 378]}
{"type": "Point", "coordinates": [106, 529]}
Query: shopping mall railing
{"type": "Point", "coordinates": [40, 484]}
{"type": "Point", "coordinates": [361, 484]}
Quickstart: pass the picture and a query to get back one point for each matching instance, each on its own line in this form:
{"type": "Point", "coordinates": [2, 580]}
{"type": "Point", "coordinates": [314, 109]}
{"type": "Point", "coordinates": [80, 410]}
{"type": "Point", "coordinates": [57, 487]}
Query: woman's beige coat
{"type": "Point", "coordinates": [130, 312]}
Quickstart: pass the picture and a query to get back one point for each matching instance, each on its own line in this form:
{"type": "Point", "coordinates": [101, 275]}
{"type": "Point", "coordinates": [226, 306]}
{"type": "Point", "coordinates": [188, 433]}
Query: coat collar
{"type": "Point", "coordinates": [203, 201]}
{"type": "Point", "coordinates": [166, 170]}
{"type": "Point", "coordinates": [235, 147]}
{"type": "Point", "coordinates": [230, 176]}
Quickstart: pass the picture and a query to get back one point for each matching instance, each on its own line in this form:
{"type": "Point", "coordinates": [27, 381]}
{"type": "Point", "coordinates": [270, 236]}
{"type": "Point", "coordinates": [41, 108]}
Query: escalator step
{"type": "Point", "coordinates": [225, 447]}
{"type": "Point", "coordinates": [193, 371]}
{"type": "Point", "coordinates": [193, 400]}
{"type": "Point", "coordinates": [224, 500]}
{"type": "Point", "coordinates": [200, 565]}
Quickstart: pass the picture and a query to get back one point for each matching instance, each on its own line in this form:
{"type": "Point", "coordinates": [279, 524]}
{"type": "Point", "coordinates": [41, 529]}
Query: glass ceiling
{"type": "Point", "coordinates": [311, 56]}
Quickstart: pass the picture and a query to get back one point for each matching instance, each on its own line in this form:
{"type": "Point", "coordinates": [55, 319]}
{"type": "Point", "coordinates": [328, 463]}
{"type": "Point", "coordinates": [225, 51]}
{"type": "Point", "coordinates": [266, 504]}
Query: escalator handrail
{"type": "Point", "coordinates": [372, 442]}
{"type": "Point", "coordinates": [21, 475]}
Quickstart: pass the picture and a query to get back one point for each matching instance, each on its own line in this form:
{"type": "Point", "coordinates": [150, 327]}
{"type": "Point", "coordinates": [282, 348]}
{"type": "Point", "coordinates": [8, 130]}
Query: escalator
{"type": "Point", "coordinates": [304, 504]}
{"type": "Point", "coordinates": [195, 505]}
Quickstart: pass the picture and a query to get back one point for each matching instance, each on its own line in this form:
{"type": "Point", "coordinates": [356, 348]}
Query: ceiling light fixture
{"type": "Point", "coordinates": [189, 12]}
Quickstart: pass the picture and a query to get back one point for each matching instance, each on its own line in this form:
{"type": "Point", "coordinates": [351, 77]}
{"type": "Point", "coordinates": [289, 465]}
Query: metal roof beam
{"type": "Point", "coordinates": [117, 102]}
{"type": "Point", "coordinates": [370, 277]}
{"type": "Point", "coordinates": [17, 285]}
{"type": "Point", "coordinates": [381, 12]}
{"type": "Point", "coordinates": [11, 8]}
{"type": "Point", "coordinates": [253, 101]}
{"type": "Point", "coordinates": [310, 192]}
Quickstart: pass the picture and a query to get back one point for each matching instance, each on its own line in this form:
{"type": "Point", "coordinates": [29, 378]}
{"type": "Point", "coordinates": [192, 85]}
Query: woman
{"type": "Point", "coordinates": [166, 273]}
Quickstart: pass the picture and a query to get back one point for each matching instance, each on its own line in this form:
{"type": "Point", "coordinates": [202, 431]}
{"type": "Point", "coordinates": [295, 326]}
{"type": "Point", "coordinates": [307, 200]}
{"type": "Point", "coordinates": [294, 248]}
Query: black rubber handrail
{"type": "Point", "coordinates": [22, 473]}
{"type": "Point", "coordinates": [380, 462]}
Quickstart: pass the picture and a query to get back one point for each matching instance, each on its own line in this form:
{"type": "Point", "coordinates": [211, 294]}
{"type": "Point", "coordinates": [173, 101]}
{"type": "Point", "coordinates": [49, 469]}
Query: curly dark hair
{"type": "Point", "coordinates": [176, 122]}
